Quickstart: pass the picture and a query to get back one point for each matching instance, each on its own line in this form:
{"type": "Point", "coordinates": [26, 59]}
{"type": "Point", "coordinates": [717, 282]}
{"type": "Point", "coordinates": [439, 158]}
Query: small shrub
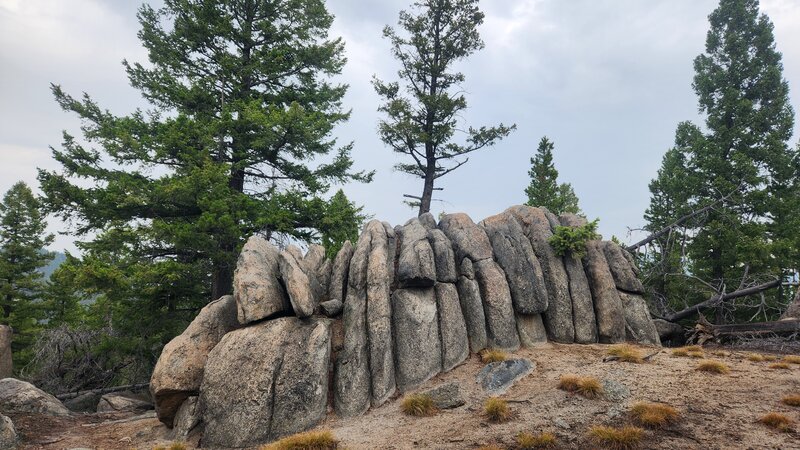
{"type": "Point", "coordinates": [626, 353]}
{"type": "Point", "coordinates": [780, 366]}
{"type": "Point", "coordinates": [310, 440]}
{"type": "Point", "coordinates": [572, 240]}
{"type": "Point", "coordinates": [791, 400]}
{"type": "Point", "coordinates": [496, 410]}
{"type": "Point", "coordinates": [616, 438]}
{"type": "Point", "coordinates": [491, 355]}
{"type": "Point", "coordinates": [777, 421]}
{"type": "Point", "coordinates": [696, 355]}
{"type": "Point", "coordinates": [755, 357]}
{"type": "Point", "coordinates": [529, 441]}
{"type": "Point", "coordinates": [418, 405]}
{"type": "Point", "coordinates": [588, 387]}
{"type": "Point", "coordinates": [712, 366]}
{"type": "Point", "coordinates": [792, 359]}
{"type": "Point", "coordinates": [653, 415]}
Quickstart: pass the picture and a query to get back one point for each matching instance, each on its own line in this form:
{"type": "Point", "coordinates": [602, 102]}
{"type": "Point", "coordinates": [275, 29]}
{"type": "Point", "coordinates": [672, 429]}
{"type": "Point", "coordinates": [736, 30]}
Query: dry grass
{"type": "Point", "coordinates": [529, 441]}
{"type": "Point", "coordinates": [721, 353]}
{"type": "Point", "coordinates": [491, 355]}
{"type": "Point", "coordinates": [696, 355]}
{"type": "Point", "coordinates": [755, 357]}
{"type": "Point", "coordinates": [680, 352]}
{"type": "Point", "coordinates": [418, 405]}
{"type": "Point", "coordinates": [791, 359]}
{"type": "Point", "coordinates": [780, 366]}
{"type": "Point", "coordinates": [777, 421]}
{"type": "Point", "coordinates": [490, 447]}
{"type": "Point", "coordinates": [653, 415]}
{"type": "Point", "coordinates": [791, 400]}
{"type": "Point", "coordinates": [626, 353]}
{"type": "Point", "coordinates": [588, 387]}
{"type": "Point", "coordinates": [712, 366]}
{"type": "Point", "coordinates": [770, 357]}
{"type": "Point", "coordinates": [616, 438]}
{"type": "Point", "coordinates": [694, 348]}
{"type": "Point", "coordinates": [177, 446]}
{"type": "Point", "coordinates": [496, 410]}
{"type": "Point", "coordinates": [310, 440]}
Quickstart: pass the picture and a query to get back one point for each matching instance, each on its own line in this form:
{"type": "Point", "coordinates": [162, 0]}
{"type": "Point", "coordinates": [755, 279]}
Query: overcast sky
{"type": "Point", "coordinates": [606, 80]}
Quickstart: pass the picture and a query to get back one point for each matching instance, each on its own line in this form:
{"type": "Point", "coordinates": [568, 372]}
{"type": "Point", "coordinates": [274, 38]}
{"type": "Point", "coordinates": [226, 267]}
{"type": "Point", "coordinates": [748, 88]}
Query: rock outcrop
{"type": "Point", "coordinates": [115, 402]}
{"type": "Point", "coordinates": [256, 286]}
{"type": "Point", "coordinates": [20, 397]}
{"type": "Point", "coordinates": [8, 434]}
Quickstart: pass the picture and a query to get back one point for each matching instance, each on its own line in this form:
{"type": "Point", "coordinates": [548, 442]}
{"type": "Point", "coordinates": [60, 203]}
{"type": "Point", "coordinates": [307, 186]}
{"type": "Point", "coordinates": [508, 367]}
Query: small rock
{"type": "Point", "coordinates": [8, 435]}
{"type": "Point", "coordinates": [498, 377]}
{"type": "Point", "coordinates": [615, 391]}
{"type": "Point", "coordinates": [446, 396]}
{"type": "Point", "coordinates": [187, 418]}
{"type": "Point", "coordinates": [18, 396]}
{"type": "Point", "coordinates": [561, 423]}
{"type": "Point", "coordinates": [83, 403]}
{"type": "Point", "coordinates": [119, 402]}
{"type": "Point", "coordinates": [331, 308]}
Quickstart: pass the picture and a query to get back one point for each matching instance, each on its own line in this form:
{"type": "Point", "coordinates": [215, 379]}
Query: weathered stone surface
{"type": "Point", "coordinates": [639, 327]}
{"type": "Point", "coordinates": [469, 240]}
{"type": "Point", "coordinates": [331, 308]}
{"type": "Point", "coordinates": [379, 316]}
{"type": "Point", "coordinates": [278, 384]}
{"type": "Point", "coordinates": [583, 317]}
{"type": "Point", "coordinates": [552, 219]}
{"type": "Point", "coordinates": [187, 418]}
{"type": "Point", "coordinates": [428, 221]}
{"type": "Point", "coordinates": [318, 270]}
{"type": "Point", "coordinates": [352, 385]}
{"type": "Point", "coordinates": [501, 325]}
{"type": "Point", "coordinates": [6, 362]}
{"type": "Point", "coordinates": [513, 252]}
{"type": "Point", "coordinates": [416, 331]}
{"type": "Point", "coordinates": [497, 377]}
{"type": "Point", "coordinates": [323, 277]}
{"type": "Point", "coordinates": [83, 403]}
{"type": "Point", "coordinates": [8, 434]}
{"type": "Point", "coordinates": [298, 285]}
{"type": "Point", "coordinates": [669, 332]}
{"type": "Point", "coordinates": [337, 289]}
{"type": "Point", "coordinates": [531, 330]}
{"type": "Point", "coordinates": [20, 397]}
{"type": "Point", "coordinates": [621, 269]}
{"type": "Point", "coordinates": [415, 266]}
{"type": "Point", "coordinates": [469, 296]}
{"type": "Point", "coordinates": [314, 258]}
{"type": "Point", "coordinates": [452, 328]}
{"type": "Point", "coordinates": [558, 316]}
{"type": "Point", "coordinates": [256, 285]}
{"type": "Point", "coordinates": [391, 240]}
{"type": "Point", "coordinates": [117, 401]}
{"type": "Point", "coordinates": [446, 396]}
{"type": "Point", "coordinates": [793, 310]}
{"type": "Point", "coordinates": [179, 370]}
{"type": "Point", "coordinates": [444, 258]}
{"type": "Point", "coordinates": [607, 304]}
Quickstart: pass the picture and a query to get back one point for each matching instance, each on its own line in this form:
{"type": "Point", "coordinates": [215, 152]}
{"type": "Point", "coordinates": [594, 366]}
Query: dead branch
{"type": "Point", "coordinates": [101, 391]}
{"type": "Point", "coordinates": [721, 298]}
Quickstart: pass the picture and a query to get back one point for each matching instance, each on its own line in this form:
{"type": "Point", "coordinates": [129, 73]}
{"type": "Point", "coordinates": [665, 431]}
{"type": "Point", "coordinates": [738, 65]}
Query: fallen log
{"type": "Point", "coordinates": [101, 391]}
{"type": "Point", "coordinates": [705, 331]}
{"type": "Point", "coordinates": [717, 299]}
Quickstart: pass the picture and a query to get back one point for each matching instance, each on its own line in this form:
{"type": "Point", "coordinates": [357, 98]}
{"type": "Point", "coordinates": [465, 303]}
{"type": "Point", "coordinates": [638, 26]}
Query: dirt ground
{"type": "Point", "coordinates": [717, 411]}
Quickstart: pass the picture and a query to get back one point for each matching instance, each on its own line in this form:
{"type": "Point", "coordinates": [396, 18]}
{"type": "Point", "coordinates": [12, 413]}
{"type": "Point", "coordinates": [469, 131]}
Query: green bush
{"type": "Point", "coordinates": [572, 240]}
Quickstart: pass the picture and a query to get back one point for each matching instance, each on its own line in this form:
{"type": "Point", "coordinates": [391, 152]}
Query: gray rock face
{"type": "Point", "coordinates": [314, 258]}
{"type": "Point", "coordinates": [501, 325]}
{"type": "Point", "coordinates": [256, 286]}
{"type": "Point", "coordinates": [558, 316]}
{"type": "Point", "coordinates": [116, 401]}
{"type": "Point", "coordinates": [446, 396]}
{"type": "Point", "coordinates": [444, 258]}
{"type": "Point", "coordinates": [583, 317]}
{"type": "Point", "coordinates": [607, 304]}
{"type": "Point", "coordinates": [531, 330]}
{"type": "Point", "coordinates": [298, 286]}
{"type": "Point", "coordinates": [331, 308]}
{"type": "Point", "coordinates": [278, 387]}
{"type": "Point", "coordinates": [639, 327]}
{"type": "Point", "coordinates": [337, 289]}
{"type": "Point", "coordinates": [179, 370]}
{"type": "Point", "coordinates": [513, 252]}
{"type": "Point", "coordinates": [20, 397]}
{"type": "Point", "coordinates": [83, 403]}
{"type": "Point", "coordinates": [8, 434]}
{"type": "Point", "coordinates": [469, 296]}
{"type": "Point", "coordinates": [428, 221]}
{"type": "Point", "coordinates": [452, 328]}
{"type": "Point", "coordinates": [621, 269]}
{"type": "Point", "coordinates": [469, 240]}
{"type": "Point", "coordinates": [352, 385]}
{"type": "Point", "coordinates": [669, 332]}
{"type": "Point", "coordinates": [615, 391]}
{"type": "Point", "coordinates": [188, 417]}
{"type": "Point", "coordinates": [6, 362]}
{"type": "Point", "coordinates": [416, 331]}
{"type": "Point", "coordinates": [415, 266]}
{"type": "Point", "coordinates": [379, 316]}
{"type": "Point", "coordinates": [497, 377]}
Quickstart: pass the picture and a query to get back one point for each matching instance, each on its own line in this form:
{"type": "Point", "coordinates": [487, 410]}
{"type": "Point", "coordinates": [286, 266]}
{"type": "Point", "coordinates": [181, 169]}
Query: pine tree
{"type": "Point", "coordinates": [22, 253]}
{"type": "Point", "coordinates": [544, 189]}
{"type": "Point", "coordinates": [343, 221]}
{"type": "Point", "coordinates": [422, 109]}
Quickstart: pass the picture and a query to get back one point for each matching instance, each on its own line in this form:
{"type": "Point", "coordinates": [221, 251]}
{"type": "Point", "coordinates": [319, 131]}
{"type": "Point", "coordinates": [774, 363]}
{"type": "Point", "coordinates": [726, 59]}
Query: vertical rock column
{"type": "Point", "coordinates": [583, 317]}
{"type": "Point", "coordinates": [607, 304]}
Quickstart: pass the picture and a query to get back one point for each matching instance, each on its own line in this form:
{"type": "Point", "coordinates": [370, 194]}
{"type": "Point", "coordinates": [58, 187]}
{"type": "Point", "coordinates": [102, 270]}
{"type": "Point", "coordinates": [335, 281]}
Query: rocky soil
{"type": "Point", "coordinates": [717, 411]}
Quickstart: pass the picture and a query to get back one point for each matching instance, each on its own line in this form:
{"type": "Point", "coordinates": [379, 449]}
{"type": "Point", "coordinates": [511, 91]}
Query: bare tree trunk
{"type": "Point", "coordinates": [715, 300]}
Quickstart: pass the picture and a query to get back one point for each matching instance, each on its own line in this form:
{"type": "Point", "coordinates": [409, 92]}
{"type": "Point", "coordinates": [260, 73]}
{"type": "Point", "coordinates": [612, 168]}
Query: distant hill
{"type": "Point", "coordinates": [57, 260]}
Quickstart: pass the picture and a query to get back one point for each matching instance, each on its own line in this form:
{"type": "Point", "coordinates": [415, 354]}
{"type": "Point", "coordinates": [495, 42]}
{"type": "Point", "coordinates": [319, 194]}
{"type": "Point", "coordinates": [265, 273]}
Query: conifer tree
{"type": "Point", "coordinates": [544, 189]}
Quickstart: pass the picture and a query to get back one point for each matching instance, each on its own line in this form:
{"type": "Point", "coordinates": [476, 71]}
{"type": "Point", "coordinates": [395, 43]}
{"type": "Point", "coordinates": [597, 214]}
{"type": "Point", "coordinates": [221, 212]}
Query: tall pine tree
{"type": "Point", "coordinates": [544, 189]}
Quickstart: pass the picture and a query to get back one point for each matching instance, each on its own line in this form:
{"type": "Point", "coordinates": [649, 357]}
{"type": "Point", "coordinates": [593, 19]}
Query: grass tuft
{"type": "Point", "coordinates": [770, 358]}
{"type": "Point", "coordinates": [491, 355]}
{"type": "Point", "coordinates": [791, 400]}
{"type": "Point", "coordinates": [588, 387]}
{"type": "Point", "coordinates": [712, 366]}
{"type": "Point", "coordinates": [310, 440]}
{"type": "Point", "coordinates": [780, 366]}
{"type": "Point", "coordinates": [626, 353]}
{"type": "Point", "coordinates": [791, 359]}
{"type": "Point", "coordinates": [777, 421]}
{"type": "Point", "coordinates": [530, 441]}
{"type": "Point", "coordinates": [490, 447]}
{"type": "Point", "coordinates": [696, 355]}
{"type": "Point", "coordinates": [496, 410]}
{"type": "Point", "coordinates": [680, 352]}
{"type": "Point", "coordinates": [694, 348]}
{"type": "Point", "coordinates": [616, 438]}
{"type": "Point", "coordinates": [177, 446]}
{"type": "Point", "coordinates": [721, 353]}
{"type": "Point", "coordinates": [653, 415]}
{"type": "Point", "coordinates": [418, 405]}
{"type": "Point", "coordinates": [755, 357]}
{"type": "Point", "coordinates": [569, 383]}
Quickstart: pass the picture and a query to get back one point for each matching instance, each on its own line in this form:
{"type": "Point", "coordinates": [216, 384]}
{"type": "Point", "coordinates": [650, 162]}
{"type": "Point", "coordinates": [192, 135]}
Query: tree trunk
{"type": "Point", "coordinates": [713, 301]}
{"type": "Point", "coordinates": [705, 331]}
{"type": "Point", "coordinates": [427, 193]}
